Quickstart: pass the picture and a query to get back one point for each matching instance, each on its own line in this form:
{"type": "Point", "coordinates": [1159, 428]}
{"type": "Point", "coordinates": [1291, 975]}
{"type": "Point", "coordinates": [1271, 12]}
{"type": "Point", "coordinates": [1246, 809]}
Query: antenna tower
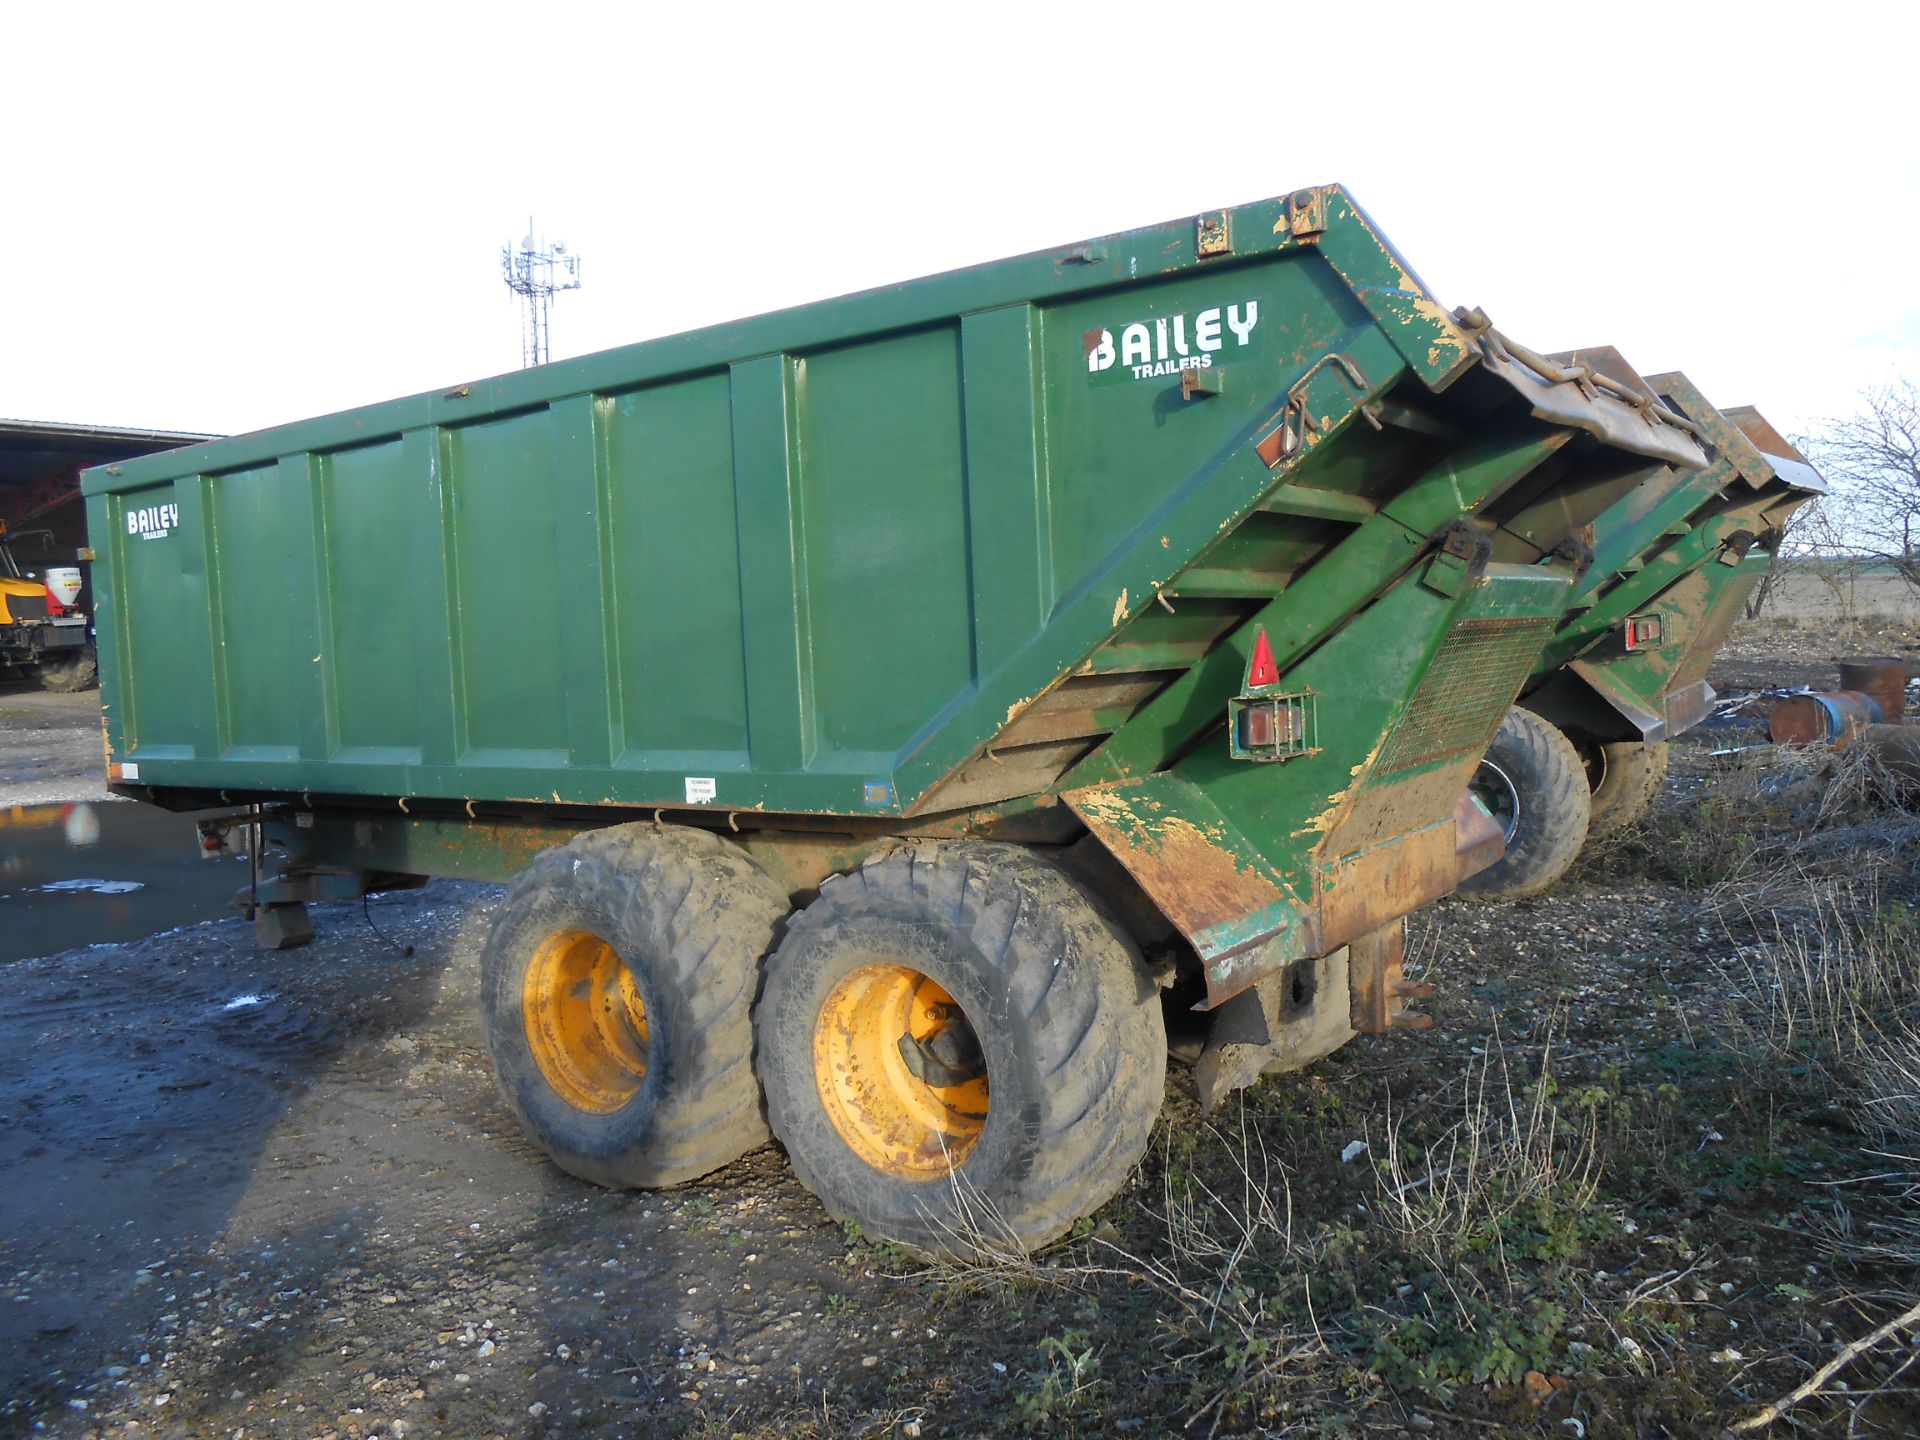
{"type": "Point", "coordinates": [536, 272]}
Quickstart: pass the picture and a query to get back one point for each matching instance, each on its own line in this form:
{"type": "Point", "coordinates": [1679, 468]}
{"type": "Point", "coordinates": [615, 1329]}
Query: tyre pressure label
{"type": "Point", "coordinates": [1167, 344]}
{"type": "Point", "coordinates": [701, 790]}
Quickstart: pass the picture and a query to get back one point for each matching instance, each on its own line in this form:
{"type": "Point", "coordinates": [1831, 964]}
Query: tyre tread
{"type": "Point", "coordinates": [1634, 775]}
{"type": "Point", "coordinates": [706, 905]}
{"type": "Point", "coordinates": [1546, 767]}
{"type": "Point", "coordinates": [1019, 911]}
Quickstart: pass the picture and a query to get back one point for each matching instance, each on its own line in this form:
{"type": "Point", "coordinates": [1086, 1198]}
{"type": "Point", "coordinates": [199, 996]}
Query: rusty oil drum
{"type": "Point", "coordinates": [1873, 692]}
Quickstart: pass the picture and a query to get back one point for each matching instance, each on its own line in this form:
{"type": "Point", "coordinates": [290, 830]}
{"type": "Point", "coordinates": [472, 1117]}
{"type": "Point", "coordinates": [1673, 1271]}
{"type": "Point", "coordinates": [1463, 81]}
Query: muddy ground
{"type": "Point", "coordinates": [275, 1194]}
{"type": "Point", "coordinates": [50, 748]}
{"type": "Point", "coordinates": [78, 867]}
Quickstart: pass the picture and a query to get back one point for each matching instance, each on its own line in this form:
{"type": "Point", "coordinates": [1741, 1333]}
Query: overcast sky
{"type": "Point", "coordinates": [223, 218]}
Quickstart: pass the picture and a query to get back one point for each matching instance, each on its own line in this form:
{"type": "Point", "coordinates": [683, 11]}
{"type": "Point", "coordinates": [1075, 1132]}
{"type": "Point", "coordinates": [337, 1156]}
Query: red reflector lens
{"type": "Point", "coordinates": [1262, 671]}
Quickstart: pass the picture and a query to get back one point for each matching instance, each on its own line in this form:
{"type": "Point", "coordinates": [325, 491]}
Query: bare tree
{"type": "Point", "coordinates": [1872, 461]}
{"type": "Point", "coordinates": [1812, 551]}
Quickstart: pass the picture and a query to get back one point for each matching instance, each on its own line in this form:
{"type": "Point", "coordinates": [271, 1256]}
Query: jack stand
{"type": "Point", "coordinates": [1380, 987]}
{"type": "Point", "coordinates": [282, 926]}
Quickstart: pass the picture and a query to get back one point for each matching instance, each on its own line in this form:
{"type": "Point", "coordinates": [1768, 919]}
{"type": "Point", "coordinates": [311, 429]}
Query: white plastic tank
{"type": "Point", "coordinates": [63, 583]}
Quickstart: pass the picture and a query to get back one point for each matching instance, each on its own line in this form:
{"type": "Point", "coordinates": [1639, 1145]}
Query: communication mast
{"type": "Point", "coordinates": [536, 272]}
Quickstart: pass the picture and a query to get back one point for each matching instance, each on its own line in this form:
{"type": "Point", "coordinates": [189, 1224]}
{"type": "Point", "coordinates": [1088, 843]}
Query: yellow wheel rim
{"type": "Point", "coordinates": [586, 1023]}
{"type": "Point", "coordinates": [895, 1120]}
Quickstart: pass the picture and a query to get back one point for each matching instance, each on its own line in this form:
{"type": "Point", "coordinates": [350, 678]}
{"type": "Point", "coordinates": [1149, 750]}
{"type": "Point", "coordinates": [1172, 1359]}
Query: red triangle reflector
{"type": "Point", "coordinates": [1262, 671]}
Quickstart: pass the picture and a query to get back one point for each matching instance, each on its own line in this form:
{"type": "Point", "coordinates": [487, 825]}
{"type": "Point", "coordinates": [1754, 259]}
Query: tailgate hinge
{"type": "Point", "coordinates": [1306, 213]}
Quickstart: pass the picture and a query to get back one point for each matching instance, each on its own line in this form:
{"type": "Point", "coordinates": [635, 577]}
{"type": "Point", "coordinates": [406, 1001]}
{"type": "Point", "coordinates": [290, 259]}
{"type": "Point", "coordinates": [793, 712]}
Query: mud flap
{"type": "Point", "coordinates": [1209, 876]}
{"type": "Point", "coordinates": [1294, 1016]}
{"type": "Point", "coordinates": [1662, 692]}
{"type": "Point", "coordinates": [1285, 1021]}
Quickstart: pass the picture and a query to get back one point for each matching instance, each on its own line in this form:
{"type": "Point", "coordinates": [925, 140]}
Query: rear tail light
{"type": "Point", "coordinates": [1644, 632]}
{"type": "Point", "coordinates": [1270, 725]}
{"type": "Point", "coordinates": [1265, 722]}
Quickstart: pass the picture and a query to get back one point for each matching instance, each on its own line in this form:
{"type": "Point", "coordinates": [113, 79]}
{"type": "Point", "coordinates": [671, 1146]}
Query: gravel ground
{"type": "Point", "coordinates": [275, 1194]}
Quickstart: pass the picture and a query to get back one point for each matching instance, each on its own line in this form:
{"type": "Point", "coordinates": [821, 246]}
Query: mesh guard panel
{"type": "Point", "coordinates": [1465, 693]}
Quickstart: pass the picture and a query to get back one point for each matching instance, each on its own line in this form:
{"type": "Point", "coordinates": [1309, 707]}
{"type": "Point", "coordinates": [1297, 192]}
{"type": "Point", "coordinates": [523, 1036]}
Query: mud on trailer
{"type": "Point", "coordinates": [931, 681]}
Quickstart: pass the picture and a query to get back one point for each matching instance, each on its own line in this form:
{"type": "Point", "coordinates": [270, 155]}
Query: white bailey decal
{"type": "Point", "coordinates": [155, 522]}
{"type": "Point", "coordinates": [1168, 344]}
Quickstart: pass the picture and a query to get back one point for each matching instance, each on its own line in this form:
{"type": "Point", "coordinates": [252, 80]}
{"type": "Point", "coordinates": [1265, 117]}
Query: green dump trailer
{"type": "Point", "coordinates": [880, 706]}
{"type": "Point", "coordinates": [1583, 754]}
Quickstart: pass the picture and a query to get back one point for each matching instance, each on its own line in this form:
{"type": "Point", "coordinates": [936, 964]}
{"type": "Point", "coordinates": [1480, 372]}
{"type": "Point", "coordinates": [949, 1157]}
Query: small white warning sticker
{"type": "Point", "coordinates": [700, 789]}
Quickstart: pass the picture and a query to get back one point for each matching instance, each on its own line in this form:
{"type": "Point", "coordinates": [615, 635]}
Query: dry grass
{"type": "Point", "coordinates": [1824, 1003]}
{"type": "Point", "coordinates": [1749, 828]}
{"type": "Point", "coordinates": [1514, 1153]}
{"type": "Point", "coordinates": [1485, 1244]}
{"type": "Point", "coordinates": [1834, 985]}
{"type": "Point", "coordinates": [1454, 1268]}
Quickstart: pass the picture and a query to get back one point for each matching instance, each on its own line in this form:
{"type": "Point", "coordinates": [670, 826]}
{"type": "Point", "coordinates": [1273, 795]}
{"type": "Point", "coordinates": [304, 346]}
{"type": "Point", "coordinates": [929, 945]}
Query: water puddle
{"type": "Point", "coordinates": [98, 887]}
{"type": "Point", "coordinates": [92, 874]}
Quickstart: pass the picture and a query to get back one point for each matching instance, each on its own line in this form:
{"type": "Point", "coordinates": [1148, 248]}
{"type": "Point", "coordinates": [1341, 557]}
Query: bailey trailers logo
{"type": "Point", "coordinates": [155, 522]}
{"type": "Point", "coordinates": [1168, 344]}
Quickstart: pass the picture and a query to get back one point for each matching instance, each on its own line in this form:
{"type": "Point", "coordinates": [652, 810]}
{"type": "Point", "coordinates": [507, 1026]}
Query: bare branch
{"type": "Point", "coordinates": [1850, 1352]}
{"type": "Point", "coordinates": [1812, 545]}
{"type": "Point", "coordinates": [1872, 460]}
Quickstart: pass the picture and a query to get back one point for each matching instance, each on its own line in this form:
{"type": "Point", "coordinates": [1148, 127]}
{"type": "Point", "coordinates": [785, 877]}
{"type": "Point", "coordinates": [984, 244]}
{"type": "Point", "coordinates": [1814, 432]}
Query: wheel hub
{"type": "Point", "coordinates": [900, 1072]}
{"type": "Point", "coordinates": [586, 1021]}
{"type": "Point", "coordinates": [947, 1056]}
{"type": "Point", "coordinates": [1500, 795]}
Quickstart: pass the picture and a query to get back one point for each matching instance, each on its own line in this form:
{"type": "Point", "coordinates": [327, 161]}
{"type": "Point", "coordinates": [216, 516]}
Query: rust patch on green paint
{"type": "Point", "coordinates": [1195, 873]}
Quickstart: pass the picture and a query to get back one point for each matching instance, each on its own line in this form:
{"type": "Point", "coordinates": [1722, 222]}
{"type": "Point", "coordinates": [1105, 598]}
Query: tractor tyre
{"type": "Point", "coordinates": [1535, 785]}
{"type": "Point", "coordinates": [79, 670]}
{"type": "Point", "coordinates": [617, 987]}
{"type": "Point", "coordinates": [1630, 778]}
{"type": "Point", "coordinates": [961, 1052]}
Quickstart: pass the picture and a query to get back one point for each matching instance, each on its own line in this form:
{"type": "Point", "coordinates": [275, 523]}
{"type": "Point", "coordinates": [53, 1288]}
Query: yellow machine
{"type": "Point", "coordinates": [43, 629]}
